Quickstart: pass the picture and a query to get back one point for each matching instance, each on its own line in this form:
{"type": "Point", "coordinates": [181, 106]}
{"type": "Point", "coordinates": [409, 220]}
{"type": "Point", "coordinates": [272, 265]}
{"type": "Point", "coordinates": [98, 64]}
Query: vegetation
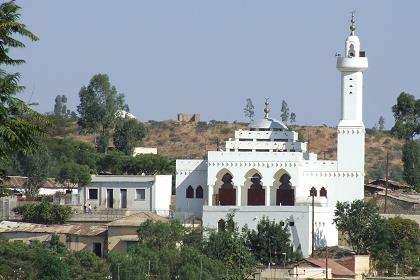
{"type": "Point", "coordinates": [407, 127]}
{"type": "Point", "coordinates": [249, 109]}
{"type": "Point", "coordinates": [284, 112]}
{"type": "Point", "coordinates": [98, 108]}
{"type": "Point", "coordinates": [129, 133]}
{"type": "Point", "coordinates": [391, 242]}
{"type": "Point", "coordinates": [47, 261]}
{"type": "Point", "coordinates": [44, 213]}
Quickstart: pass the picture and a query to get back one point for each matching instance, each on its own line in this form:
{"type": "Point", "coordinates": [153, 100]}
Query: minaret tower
{"type": "Point", "coordinates": [351, 130]}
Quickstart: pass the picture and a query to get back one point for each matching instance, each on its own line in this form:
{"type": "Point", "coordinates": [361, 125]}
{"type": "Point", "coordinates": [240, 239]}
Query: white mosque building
{"type": "Point", "coordinates": [266, 171]}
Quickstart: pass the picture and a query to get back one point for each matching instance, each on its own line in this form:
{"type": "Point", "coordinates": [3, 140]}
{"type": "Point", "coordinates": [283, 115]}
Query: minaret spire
{"type": "Point", "coordinates": [267, 108]}
{"type": "Point", "coordinates": [352, 26]}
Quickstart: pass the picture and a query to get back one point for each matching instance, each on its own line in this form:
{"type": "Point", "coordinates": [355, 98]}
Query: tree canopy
{"type": "Point", "coordinates": [407, 116]}
{"type": "Point", "coordinates": [128, 134]}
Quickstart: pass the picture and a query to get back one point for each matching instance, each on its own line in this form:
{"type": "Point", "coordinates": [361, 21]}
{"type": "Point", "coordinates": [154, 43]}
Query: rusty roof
{"type": "Point", "coordinates": [73, 229]}
{"type": "Point", "coordinates": [137, 219]}
{"type": "Point", "coordinates": [336, 268]}
{"type": "Point", "coordinates": [19, 182]}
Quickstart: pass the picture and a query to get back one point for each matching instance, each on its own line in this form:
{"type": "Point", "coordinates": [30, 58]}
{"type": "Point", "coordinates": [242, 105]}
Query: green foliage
{"type": "Point", "coordinates": [284, 111]}
{"type": "Point", "coordinates": [249, 109]}
{"type": "Point", "coordinates": [269, 242]}
{"type": "Point", "coordinates": [407, 116]}
{"type": "Point", "coordinates": [359, 221]}
{"type": "Point", "coordinates": [398, 244]}
{"type": "Point", "coordinates": [44, 213]}
{"type": "Point", "coordinates": [292, 117]}
{"type": "Point", "coordinates": [411, 160]}
{"type": "Point", "coordinates": [128, 134]}
{"type": "Point", "coordinates": [381, 123]}
{"type": "Point", "coordinates": [73, 175]}
{"type": "Point", "coordinates": [99, 104]}
{"type": "Point", "coordinates": [47, 261]}
{"type": "Point", "coordinates": [159, 235]}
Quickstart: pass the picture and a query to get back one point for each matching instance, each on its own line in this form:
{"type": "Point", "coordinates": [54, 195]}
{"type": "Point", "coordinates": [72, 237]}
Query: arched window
{"type": "Point", "coordinates": [227, 193]}
{"type": "Point", "coordinates": [256, 193]}
{"type": "Point", "coordinates": [190, 192]}
{"type": "Point", "coordinates": [351, 51]}
{"type": "Point", "coordinates": [313, 192]}
{"type": "Point", "coordinates": [199, 192]}
{"type": "Point", "coordinates": [323, 192]}
{"type": "Point", "coordinates": [285, 192]}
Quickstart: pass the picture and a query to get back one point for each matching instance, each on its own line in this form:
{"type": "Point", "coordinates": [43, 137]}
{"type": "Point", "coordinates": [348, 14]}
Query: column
{"type": "Point", "coordinates": [238, 195]}
{"type": "Point", "coordinates": [267, 195]}
{"type": "Point", "coordinates": [210, 195]}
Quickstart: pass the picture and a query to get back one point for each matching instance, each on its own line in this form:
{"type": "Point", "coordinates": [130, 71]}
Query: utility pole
{"type": "Point", "coordinates": [312, 193]}
{"type": "Point", "coordinates": [326, 262]}
{"type": "Point", "coordinates": [386, 180]}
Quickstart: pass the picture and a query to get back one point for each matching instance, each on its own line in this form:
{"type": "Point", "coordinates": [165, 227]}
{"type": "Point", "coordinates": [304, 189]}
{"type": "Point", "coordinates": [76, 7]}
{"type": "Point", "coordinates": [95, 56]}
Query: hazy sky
{"type": "Point", "coordinates": [209, 56]}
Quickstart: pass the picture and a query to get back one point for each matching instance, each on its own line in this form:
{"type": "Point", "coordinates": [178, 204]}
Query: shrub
{"type": "Point", "coordinates": [44, 213]}
{"type": "Point", "coordinates": [225, 130]}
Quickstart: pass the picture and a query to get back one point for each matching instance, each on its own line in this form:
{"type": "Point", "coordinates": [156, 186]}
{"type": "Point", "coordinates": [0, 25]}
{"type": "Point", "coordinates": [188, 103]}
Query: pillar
{"type": "Point", "coordinates": [267, 195]}
{"type": "Point", "coordinates": [238, 195]}
{"type": "Point", "coordinates": [210, 195]}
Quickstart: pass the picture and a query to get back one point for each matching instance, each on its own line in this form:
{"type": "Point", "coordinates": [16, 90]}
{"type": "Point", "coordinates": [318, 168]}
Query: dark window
{"type": "Point", "coordinates": [190, 192]}
{"type": "Point", "coordinates": [313, 192]}
{"type": "Point", "coordinates": [244, 150]}
{"type": "Point", "coordinates": [292, 224]}
{"type": "Point", "coordinates": [199, 192]}
{"type": "Point", "coordinates": [93, 193]}
{"type": "Point", "coordinates": [140, 194]}
{"type": "Point", "coordinates": [131, 245]}
{"type": "Point", "coordinates": [97, 249]}
{"type": "Point", "coordinates": [323, 192]}
{"type": "Point", "coordinates": [350, 92]}
{"type": "Point", "coordinates": [281, 223]}
{"type": "Point", "coordinates": [221, 225]}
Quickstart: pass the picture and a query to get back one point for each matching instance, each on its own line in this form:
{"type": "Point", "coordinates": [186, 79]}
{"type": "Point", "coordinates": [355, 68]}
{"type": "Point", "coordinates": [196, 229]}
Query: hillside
{"type": "Point", "coordinates": [189, 140]}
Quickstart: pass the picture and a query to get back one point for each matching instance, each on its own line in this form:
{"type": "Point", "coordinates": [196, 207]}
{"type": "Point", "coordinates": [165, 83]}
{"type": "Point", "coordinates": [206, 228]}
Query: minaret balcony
{"type": "Point", "coordinates": [352, 64]}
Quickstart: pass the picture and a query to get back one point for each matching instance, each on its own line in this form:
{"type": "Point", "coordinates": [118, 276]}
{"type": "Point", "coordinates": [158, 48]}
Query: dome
{"type": "Point", "coordinates": [267, 123]}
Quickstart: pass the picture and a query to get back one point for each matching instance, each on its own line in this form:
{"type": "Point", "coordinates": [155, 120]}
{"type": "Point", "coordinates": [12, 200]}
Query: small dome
{"type": "Point", "coordinates": [267, 123]}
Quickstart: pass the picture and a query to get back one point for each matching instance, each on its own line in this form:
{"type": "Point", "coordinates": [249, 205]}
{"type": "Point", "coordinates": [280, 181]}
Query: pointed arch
{"type": "Point", "coordinates": [323, 192]}
{"type": "Point", "coordinates": [285, 193]}
{"type": "Point", "coordinates": [189, 193]}
{"type": "Point", "coordinates": [199, 192]}
{"type": "Point", "coordinates": [224, 185]}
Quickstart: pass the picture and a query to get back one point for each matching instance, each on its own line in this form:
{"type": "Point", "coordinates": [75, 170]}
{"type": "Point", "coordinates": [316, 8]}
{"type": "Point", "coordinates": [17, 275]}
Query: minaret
{"type": "Point", "coordinates": [351, 130]}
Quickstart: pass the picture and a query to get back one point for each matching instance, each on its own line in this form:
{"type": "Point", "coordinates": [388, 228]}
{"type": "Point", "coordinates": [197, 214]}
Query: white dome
{"type": "Point", "coordinates": [267, 123]}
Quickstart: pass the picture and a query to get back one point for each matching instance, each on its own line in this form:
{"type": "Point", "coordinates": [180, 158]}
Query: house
{"type": "Point", "coordinates": [75, 237]}
{"type": "Point", "coordinates": [265, 171]}
{"type": "Point", "coordinates": [128, 192]}
{"type": "Point", "coordinates": [144, 151]}
{"type": "Point", "coordinates": [315, 268]}
{"type": "Point", "coordinates": [17, 184]}
{"type": "Point", "coordinates": [122, 233]}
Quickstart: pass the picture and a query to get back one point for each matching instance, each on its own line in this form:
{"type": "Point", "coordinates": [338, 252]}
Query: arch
{"type": "Point", "coordinates": [227, 193]}
{"type": "Point", "coordinates": [256, 192]}
{"type": "Point", "coordinates": [285, 194]}
{"type": "Point", "coordinates": [189, 192]}
{"type": "Point", "coordinates": [323, 192]}
{"type": "Point", "coordinates": [199, 192]}
{"type": "Point", "coordinates": [351, 51]}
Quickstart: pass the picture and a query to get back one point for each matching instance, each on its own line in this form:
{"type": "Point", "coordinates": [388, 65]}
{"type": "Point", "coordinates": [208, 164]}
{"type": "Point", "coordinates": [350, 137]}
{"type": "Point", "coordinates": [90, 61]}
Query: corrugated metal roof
{"type": "Point", "coordinates": [79, 229]}
{"type": "Point", "coordinates": [137, 219]}
{"type": "Point", "coordinates": [336, 268]}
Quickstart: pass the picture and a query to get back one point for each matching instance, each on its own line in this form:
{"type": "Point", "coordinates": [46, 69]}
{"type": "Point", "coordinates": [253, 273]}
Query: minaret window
{"type": "Point", "coordinates": [323, 192]}
{"type": "Point", "coordinates": [351, 51]}
{"type": "Point", "coordinates": [190, 192]}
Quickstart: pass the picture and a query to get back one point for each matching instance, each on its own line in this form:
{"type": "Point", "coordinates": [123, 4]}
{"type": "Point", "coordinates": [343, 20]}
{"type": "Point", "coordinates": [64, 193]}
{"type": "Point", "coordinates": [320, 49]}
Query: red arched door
{"type": "Point", "coordinates": [285, 195]}
{"type": "Point", "coordinates": [227, 194]}
{"type": "Point", "coordinates": [256, 193]}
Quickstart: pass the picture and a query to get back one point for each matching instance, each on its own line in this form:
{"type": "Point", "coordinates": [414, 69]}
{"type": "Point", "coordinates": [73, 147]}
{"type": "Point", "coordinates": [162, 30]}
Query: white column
{"type": "Point", "coordinates": [210, 195]}
{"type": "Point", "coordinates": [267, 195]}
{"type": "Point", "coordinates": [238, 195]}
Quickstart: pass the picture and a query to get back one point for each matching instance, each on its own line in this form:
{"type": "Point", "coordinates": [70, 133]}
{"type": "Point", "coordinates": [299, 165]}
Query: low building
{"type": "Point", "coordinates": [75, 237]}
{"type": "Point", "coordinates": [18, 185]}
{"type": "Point", "coordinates": [315, 268]}
{"type": "Point", "coordinates": [130, 192]}
{"type": "Point", "coordinates": [122, 233]}
{"type": "Point", "coordinates": [188, 117]}
{"type": "Point", "coordinates": [144, 151]}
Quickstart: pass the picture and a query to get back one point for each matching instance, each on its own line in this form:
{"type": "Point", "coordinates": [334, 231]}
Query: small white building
{"type": "Point", "coordinates": [130, 192]}
{"type": "Point", "coordinates": [144, 151]}
{"type": "Point", "coordinates": [266, 171]}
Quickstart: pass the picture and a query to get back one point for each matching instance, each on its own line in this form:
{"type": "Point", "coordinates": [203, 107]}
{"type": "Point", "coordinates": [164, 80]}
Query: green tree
{"type": "Point", "coordinates": [60, 106]}
{"type": "Point", "coordinates": [128, 134]}
{"type": "Point", "coordinates": [407, 116]}
{"type": "Point", "coordinates": [359, 222]}
{"type": "Point", "coordinates": [398, 246]}
{"type": "Point", "coordinates": [270, 242]}
{"type": "Point", "coordinates": [284, 112]}
{"type": "Point", "coordinates": [44, 213]}
{"type": "Point", "coordinates": [99, 104]}
{"type": "Point", "coordinates": [73, 175]}
{"type": "Point", "coordinates": [249, 109]}
{"type": "Point", "coordinates": [411, 160]}
{"type": "Point", "coordinates": [229, 246]}
{"type": "Point", "coordinates": [20, 126]}
{"type": "Point", "coordinates": [292, 117]}
{"type": "Point", "coordinates": [35, 166]}
{"type": "Point", "coordinates": [381, 123]}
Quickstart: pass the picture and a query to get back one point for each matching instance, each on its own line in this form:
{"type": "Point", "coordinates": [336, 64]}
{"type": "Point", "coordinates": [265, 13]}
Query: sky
{"type": "Point", "coordinates": [208, 57]}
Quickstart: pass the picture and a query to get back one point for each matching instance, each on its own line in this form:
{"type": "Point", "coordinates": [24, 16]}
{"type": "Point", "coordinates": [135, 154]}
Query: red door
{"type": "Point", "coordinates": [256, 196]}
{"type": "Point", "coordinates": [285, 197]}
{"type": "Point", "coordinates": [227, 196]}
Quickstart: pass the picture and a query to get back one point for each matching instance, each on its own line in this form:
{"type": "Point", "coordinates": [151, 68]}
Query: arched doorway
{"type": "Point", "coordinates": [227, 194]}
{"type": "Point", "coordinates": [256, 192]}
{"type": "Point", "coordinates": [285, 195]}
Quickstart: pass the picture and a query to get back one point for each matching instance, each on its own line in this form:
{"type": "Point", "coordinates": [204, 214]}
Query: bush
{"type": "Point", "coordinates": [44, 213]}
{"type": "Point", "coordinates": [225, 130]}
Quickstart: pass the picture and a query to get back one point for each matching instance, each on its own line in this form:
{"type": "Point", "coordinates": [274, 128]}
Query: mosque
{"type": "Point", "coordinates": [266, 171]}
